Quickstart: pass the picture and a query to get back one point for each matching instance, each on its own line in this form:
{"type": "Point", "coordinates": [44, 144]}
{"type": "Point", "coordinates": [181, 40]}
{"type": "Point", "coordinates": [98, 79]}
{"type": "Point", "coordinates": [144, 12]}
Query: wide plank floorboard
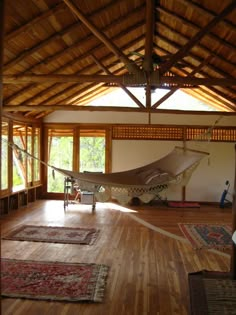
{"type": "Point", "coordinates": [148, 256]}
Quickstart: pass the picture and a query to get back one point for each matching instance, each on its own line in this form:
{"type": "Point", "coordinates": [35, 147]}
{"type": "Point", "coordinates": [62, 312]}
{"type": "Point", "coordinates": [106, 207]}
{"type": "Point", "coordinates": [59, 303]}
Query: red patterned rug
{"type": "Point", "coordinates": [207, 235]}
{"type": "Point", "coordinates": [53, 280]}
{"type": "Point", "coordinates": [54, 234]}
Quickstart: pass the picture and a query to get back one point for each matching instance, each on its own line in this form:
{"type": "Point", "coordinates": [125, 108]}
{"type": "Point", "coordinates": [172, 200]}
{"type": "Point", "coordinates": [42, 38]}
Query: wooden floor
{"type": "Point", "coordinates": [148, 257]}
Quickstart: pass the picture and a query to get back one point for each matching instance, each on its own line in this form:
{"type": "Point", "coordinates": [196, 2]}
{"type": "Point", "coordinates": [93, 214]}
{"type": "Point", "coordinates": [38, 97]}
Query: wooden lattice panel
{"type": "Point", "coordinates": [147, 132]}
{"type": "Point", "coordinates": [179, 133]}
{"type": "Point", "coordinates": [217, 134]}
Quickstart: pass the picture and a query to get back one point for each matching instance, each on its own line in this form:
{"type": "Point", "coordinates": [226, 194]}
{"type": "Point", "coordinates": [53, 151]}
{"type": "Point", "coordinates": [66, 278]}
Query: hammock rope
{"type": "Point", "coordinates": [145, 182]}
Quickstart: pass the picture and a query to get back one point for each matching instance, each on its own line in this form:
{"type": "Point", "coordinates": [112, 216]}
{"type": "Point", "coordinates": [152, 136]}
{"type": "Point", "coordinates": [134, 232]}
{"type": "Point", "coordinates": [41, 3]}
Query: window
{"type": "Point", "coordinates": [92, 151]}
{"type": "Point", "coordinates": [4, 155]}
{"type": "Point", "coordinates": [77, 149]}
{"type": "Point", "coordinates": [19, 158]}
{"type": "Point", "coordinates": [36, 153]}
{"type": "Point", "coordinates": [60, 154]}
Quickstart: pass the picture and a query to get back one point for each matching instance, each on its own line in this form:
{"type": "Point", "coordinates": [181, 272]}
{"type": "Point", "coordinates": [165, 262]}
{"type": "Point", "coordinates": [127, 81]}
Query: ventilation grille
{"type": "Point", "coordinates": [179, 133]}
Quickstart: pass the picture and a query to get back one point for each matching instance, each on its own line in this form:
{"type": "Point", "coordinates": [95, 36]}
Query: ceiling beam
{"type": "Point", "coordinates": [147, 61]}
{"type": "Point", "coordinates": [132, 67]}
{"type": "Point", "coordinates": [65, 107]}
{"type": "Point", "coordinates": [150, 10]}
{"type": "Point", "coordinates": [127, 79]}
{"type": "Point", "coordinates": [196, 38]}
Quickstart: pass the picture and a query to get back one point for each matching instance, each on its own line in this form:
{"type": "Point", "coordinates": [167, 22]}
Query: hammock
{"type": "Point", "coordinates": [144, 182]}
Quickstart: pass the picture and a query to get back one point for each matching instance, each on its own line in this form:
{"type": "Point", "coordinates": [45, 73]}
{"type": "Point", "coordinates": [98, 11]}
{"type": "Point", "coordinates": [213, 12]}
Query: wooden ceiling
{"type": "Point", "coordinates": [61, 54]}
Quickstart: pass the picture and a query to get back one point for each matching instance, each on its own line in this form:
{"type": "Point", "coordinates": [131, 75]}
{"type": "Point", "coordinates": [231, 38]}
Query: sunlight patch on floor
{"type": "Point", "coordinates": [115, 206]}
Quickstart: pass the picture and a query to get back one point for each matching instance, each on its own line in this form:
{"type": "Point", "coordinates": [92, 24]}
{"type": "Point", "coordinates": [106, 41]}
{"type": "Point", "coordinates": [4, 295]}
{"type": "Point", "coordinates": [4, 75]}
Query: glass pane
{"type": "Point", "coordinates": [92, 154]}
{"type": "Point", "coordinates": [4, 156]}
{"type": "Point", "coordinates": [36, 153]}
{"type": "Point", "coordinates": [60, 153]}
{"type": "Point", "coordinates": [19, 158]}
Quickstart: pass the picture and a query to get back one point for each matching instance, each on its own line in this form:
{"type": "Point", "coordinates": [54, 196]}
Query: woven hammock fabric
{"type": "Point", "coordinates": [144, 182]}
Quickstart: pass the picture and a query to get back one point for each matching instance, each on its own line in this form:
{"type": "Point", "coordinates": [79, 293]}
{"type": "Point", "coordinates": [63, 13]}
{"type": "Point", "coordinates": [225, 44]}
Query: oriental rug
{"type": "Point", "coordinates": [54, 234]}
{"type": "Point", "coordinates": [55, 281]}
{"type": "Point", "coordinates": [212, 293]}
{"type": "Point", "coordinates": [210, 236]}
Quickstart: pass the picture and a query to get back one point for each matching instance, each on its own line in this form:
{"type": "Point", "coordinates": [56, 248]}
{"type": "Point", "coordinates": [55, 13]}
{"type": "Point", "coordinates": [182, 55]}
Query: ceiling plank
{"type": "Point", "coordinates": [72, 87]}
{"type": "Point", "coordinates": [203, 11]}
{"type": "Point", "coordinates": [194, 28]}
{"type": "Point", "coordinates": [132, 67]}
{"type": "Point", "coordinates": [67, 30]}
{"type": "Point", "coordinates": [51, 59]}
{"type": "Point", "coordinates": [27, 26]}
{"type": "Point", "coordinates": [196, 38]}
{"type": "Point", "coordinates": [194, 57]}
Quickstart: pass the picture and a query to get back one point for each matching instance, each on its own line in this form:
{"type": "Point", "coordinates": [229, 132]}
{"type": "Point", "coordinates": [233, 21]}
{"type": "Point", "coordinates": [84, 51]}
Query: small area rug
{"type": "Point", "coordinates": [210, 236]}
{"type": "Point", "coordinates": [54, 234]}
{"type": "Point", "coordinates": [212, 293]}
{"type": "Point", "coordinates": [55, 281]}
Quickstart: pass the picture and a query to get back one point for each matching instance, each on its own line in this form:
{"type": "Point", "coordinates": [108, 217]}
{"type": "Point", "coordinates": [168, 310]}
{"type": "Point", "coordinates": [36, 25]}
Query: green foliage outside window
{"type": "Point", "coordinates": [92, 158]}
{"type": "Point", "coordinates": [92, 154]}
{"type": "Point", "coordinates": [60, 155]}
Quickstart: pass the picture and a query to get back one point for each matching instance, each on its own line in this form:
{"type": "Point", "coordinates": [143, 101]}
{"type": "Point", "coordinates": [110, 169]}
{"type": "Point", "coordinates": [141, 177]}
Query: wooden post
{"type": "Point", "coordinates": [233, 256]}
{"type": "Point", "coordinates": [1, 90]}
{"type": "Point", "coordinates": [184, 187]}
{"type": "Point", "coordinates": [1, 72]}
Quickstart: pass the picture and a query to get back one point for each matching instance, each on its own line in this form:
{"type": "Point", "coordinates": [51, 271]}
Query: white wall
{"type": "Point", "coordinates": [208, 180]}
{"type": "Point", "coordinates": [137, 118]}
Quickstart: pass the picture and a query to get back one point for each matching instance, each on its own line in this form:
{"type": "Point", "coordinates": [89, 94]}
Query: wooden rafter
{"type": "Point", "coordinates": [196, 38]}
{"type": "Point", "coordinates": [195, 58]}
{"type": "Point", "coordinates": [49, 40]}
{"type": "Point", "coordinates": [194, 28]}
{"type": "Point", "coordinates": [64, 40]}
{"type": "Point", "coordinates": [204, 11]}
{"type": "Point", "coordinates": [103, 38]}
{"type": "Point", "coordinates": [27, 26]}
{"type": "Point", "coordinates": [36, 68]}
